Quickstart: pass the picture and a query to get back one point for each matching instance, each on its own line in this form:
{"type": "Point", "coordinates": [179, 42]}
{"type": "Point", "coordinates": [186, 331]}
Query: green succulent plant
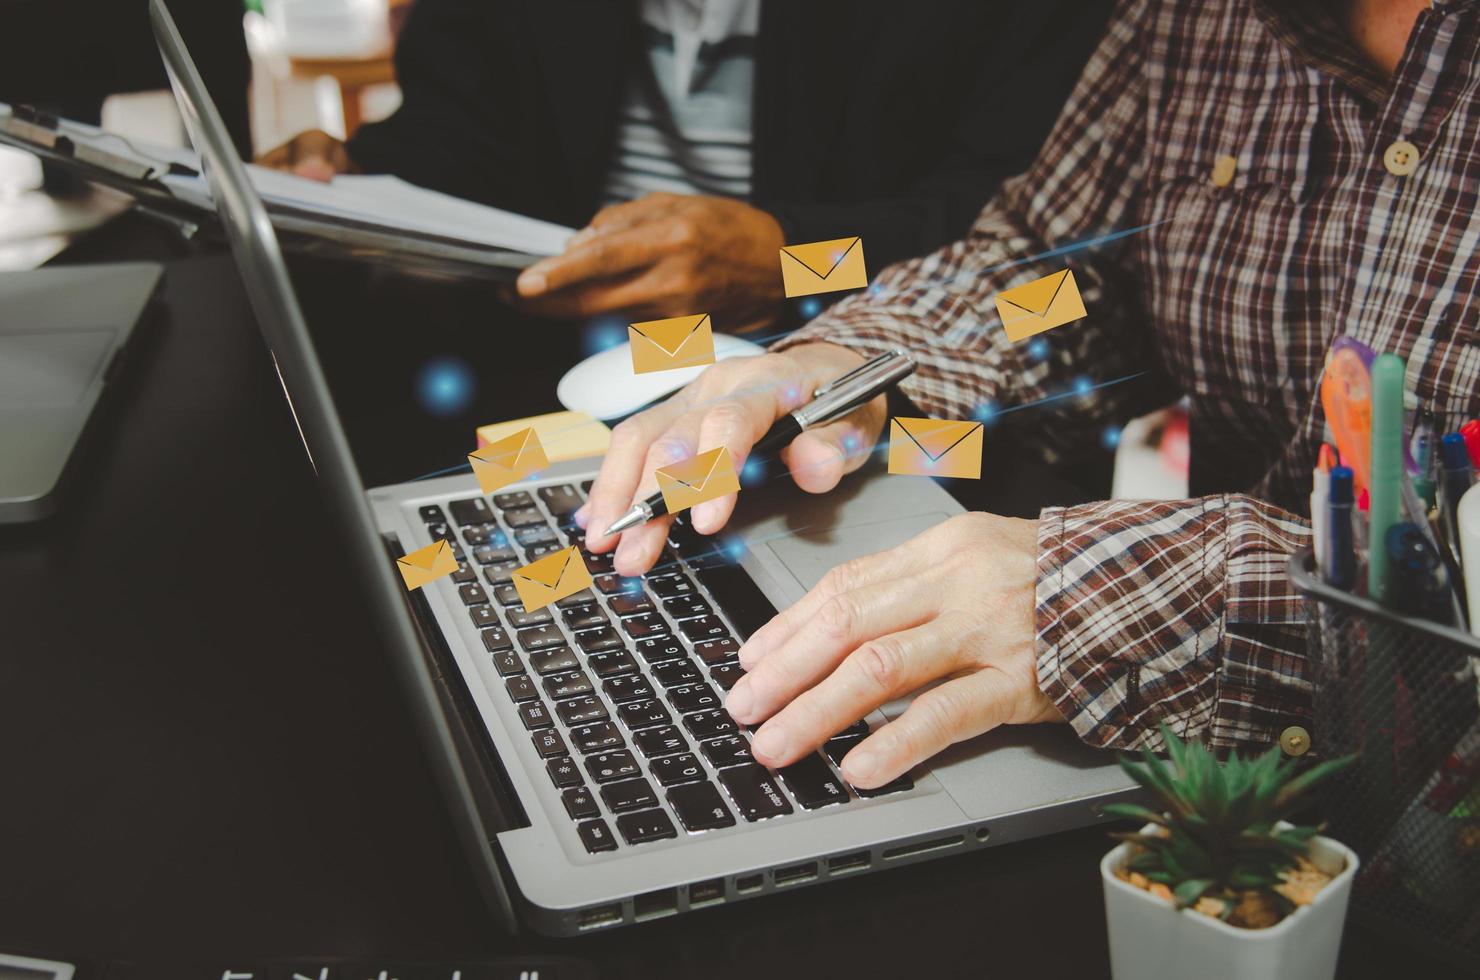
{"type": "Point", "coordinates": [1218, 820]}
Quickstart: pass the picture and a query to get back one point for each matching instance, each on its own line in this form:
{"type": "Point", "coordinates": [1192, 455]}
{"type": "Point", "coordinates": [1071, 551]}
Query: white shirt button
{"type": "Point", "coordinates": [1400, 158]}
{"type": "Point", "coordinates": [1295, 740]}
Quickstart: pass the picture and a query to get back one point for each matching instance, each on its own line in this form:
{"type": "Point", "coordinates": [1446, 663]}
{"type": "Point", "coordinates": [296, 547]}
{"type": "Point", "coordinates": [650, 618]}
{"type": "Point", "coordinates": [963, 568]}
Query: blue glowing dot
{"type": "Point", "coordinates": [811, 307]}
{"type": "Point", "coordinates": [1111, 437]}
{"type": "Point", "coordinates": [1038, 349]}
{"type": "Point", "coordinates": [603, 333]}
{"type": "Point", "coordinates": [445, 386]}
{"type": "Point", "coordinates": [1081, 386]}
{"type": "Point", "coordinates": [792, 394]}
{"type": "Point", "coordinates": [875, 289]}
{"type": "Point", "coordinates": [733, 548]}
{"type": "Point", "coordinates": [986, 411]}
{"type": "Point", "coordinates": [753, 472]}
{"type": "Point", "coordinates": [850, 443]}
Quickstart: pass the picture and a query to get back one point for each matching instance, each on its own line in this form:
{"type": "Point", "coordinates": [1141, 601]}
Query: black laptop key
{"type": "Point", "coordinates": [549, 744]}
{"type": "Point", "coordinates": [579, 803]}
{"type": "Point", "coordinates": [599, 640]}
{"type": "Point", "coordinates": [858, 728]}
{"type": "Point", "coordinates": [523, 516]}
{"type": "Point", "coordinates": [564, 772]}
{"type": "Point", "coordinates": [655, 743]}
{"type": "Point", "coordinates": [472, 594]}
{"type": "Point", "coordinates": [441, 532]}
{"type": "Point", "coordinates": [584, 617]}
{"type": "Point", "coordinates": [710, 724]}
{"type": "Point", "coordinates": [630, 794]}
{"type": "Point", "coordinates": [478, 534]}
{"type": "Point", "coordinates": [668, 586]}
{"type": "Point", "coordinates": [612, 663]}
{"type": "Point", "coordinates": [693, 697]}
{"type": "Point", "coordinates": [839, 746]}
{"type": "Point", "coordinates": [519, 619]}
{"type": "Point", "coordinates": [613, 584]}
{"type": "Point", "coordinates": [495, 640]}
{"type": "Point", "coordinates": [755, 792]}
{"type": "Point", "coordinates": [630, 604]}
{"type": "Point", "coordinates": [699, 807]}
{"type": "Point", "coordinates": [812, 783]}
{"type": "Point", "coordinates": [553, 660]}
{"type": "Point", "coordinates": [571, 684]}
{"type": "Point", "coordinates": [687, 607]}
{"type": "Point", "coordinates": [714, 652]}
{"type": "Point", "coordinates": [725, 675]}
{"type": "Point", "coordinates": [536, 716]}
{"type": "Point", "coordinates": [649, 825]}
{"type": "Point", "coordinates": [739, 596]}
{"type": "Point", "coordinates": [488, 554]}
{"type": "Point", "coordinates": [597, 737]}
{"type": "Point", "coordinates": [674, 769]}
{"type": "Point", "coordinates": [432, 514]}
{"type": "Point", "coordinates": [464, 573]}
{"type": "Point", "coordinates": [525, 537]}
{"type": "Point", "coordinates": [538, 551]}
{"type": "Point", "coordinates": [732, 750]}
{"type": "Point", "coordinates": [501, 572]}
{"type": "Point", "coordinates": [580, 710]}
{"type": "Point", "coordinates": [512, 499]}
{"type": "Point", "coordinates": [607, 767]}
{"type": "Point", "coordinates": [474, 510]}
{"type": "Point", "coordinates": [676, 673]}
{"type": "Point", "coordinates": [507, 663]}
{"type": "Point", "coordinates": [645, 626]}
{"type": "Point", "coordinates": [507, 595]}
{"type": "Point", "coordinates": [643, 714]}
{"type": "Point", "coordinates": [540, 638]}
{"type": "Point", "coordinates": [483, 616]}
{"type": "Point", "coordinates": [657, 649]}
{"type": "Point", "coordinates": [704, 628]}
{"type": "Point", "coordinates": [633, 687]}
{"type": "Point", "coordinates": [596, 836]}
{"type": "Point", "coordinates": [585, 597]}
{"type": "Point", "coordinates": [598, 564]}
{"type": "Point", "coordinates": [521, 689]}
{"type": "Point", "coordinates": [561, 499]}
{"type": "Point", "coordinates": [897, 785]}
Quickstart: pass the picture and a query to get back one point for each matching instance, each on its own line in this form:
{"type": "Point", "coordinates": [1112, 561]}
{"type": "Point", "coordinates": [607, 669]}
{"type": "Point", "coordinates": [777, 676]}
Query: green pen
{"type": "Point", "coordinates": [1385, 493]}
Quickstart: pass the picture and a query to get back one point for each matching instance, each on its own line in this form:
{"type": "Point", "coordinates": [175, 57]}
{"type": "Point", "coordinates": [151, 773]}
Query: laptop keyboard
{"type": "Point", "coordinates": [621, 687]}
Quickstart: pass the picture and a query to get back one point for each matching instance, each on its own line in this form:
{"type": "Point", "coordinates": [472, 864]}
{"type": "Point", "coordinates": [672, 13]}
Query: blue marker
{"type": "Point", "coordinates": [1454, 480]}
{"type": "Point", "coordinates": [1339, 563]}
{"type": "Point", "coordinates": [1420, 583]}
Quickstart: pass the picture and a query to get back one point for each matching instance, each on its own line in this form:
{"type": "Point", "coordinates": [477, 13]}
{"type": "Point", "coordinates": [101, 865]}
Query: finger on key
{"type": "Point", "coordinates": [860, 573]}
{"type": "Point", "coordinates": [615, 487]}
{"type": "Point", "coordinates": [843, 624]}
{"type": "Point", "coordinates": [956, 710]}
{"type": "Point", "coordinates": [874, 674]}
{"type": "Point", "coordinates": [735, 424]}
{"type": "Point", "coordinates": [641, 546]}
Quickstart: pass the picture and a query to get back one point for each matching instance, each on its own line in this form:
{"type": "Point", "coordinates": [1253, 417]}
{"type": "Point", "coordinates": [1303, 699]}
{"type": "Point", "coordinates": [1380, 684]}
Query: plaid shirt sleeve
{"type": "Point", "coordinates": [1146, 611]}
{"type": "Point", "coordinates": [941, 306]}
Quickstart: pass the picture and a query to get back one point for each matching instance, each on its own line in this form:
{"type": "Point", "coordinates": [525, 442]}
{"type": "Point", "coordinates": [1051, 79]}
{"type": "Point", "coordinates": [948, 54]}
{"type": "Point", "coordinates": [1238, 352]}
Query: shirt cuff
{"type": "Point", "coordinates": [1172, 611]}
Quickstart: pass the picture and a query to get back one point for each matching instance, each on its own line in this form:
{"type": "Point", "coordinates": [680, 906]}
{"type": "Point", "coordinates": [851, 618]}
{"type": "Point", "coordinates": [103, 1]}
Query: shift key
{"type": "Point", "coordinates": [755, 792]}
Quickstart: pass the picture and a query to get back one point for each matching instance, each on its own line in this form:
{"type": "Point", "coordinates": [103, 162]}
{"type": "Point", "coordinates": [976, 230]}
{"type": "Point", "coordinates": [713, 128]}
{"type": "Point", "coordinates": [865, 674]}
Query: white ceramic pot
{"type": "Point", "coordinates": [1152, 940]}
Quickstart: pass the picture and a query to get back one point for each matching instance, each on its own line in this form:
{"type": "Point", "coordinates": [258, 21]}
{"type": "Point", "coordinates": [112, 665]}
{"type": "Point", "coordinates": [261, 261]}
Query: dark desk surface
{"type": "Point", "coordinates": [201, 747]}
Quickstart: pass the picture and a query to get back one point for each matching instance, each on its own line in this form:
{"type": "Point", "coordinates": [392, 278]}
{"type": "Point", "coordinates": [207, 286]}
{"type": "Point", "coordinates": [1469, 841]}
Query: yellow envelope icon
{"type": "Point", "coordinates": [823, 267]}
{"type": "Point", "coordinates": [935, 447]}
{"type": "Point", "coordinates": [677, 342]}
{"type": "Point", "coordinates": [551, 579]}
{"type": "Point", "coordinates": [509, 460]}
{"type": "Point", "coordinates": [1040, 305]}
{"type": "Point", "coordinates": [427, 564]}
{"type": "Point", "coordinates": [693, 481]}
{"type": "Point", "coordinates": [562, 435]}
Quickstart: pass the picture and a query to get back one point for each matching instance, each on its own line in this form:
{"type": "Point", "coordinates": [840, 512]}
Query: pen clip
{"type": "Point", "coordinates": [865, 366]}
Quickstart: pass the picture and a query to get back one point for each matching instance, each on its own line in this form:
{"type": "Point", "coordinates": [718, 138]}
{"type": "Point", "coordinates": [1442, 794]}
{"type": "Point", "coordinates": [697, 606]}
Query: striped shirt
{"type": "Point", "coordinates": [1272, 175]}
{"type": "Point", "coordinates": [685, 118]}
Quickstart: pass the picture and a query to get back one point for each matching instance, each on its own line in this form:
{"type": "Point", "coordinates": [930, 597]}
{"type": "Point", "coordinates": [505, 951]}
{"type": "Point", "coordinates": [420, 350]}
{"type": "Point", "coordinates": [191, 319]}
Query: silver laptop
{"type": "Point", "coordinates": [592, 771]}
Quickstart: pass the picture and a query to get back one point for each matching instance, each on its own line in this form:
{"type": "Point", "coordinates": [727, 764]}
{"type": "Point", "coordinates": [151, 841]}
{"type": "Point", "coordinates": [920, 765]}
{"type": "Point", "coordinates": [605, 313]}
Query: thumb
{"type": "Point", "coordinates": [820, 457]}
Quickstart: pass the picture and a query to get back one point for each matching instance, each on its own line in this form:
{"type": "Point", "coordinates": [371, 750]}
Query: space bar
{"type": "Point", "coordinates": [739, 596]}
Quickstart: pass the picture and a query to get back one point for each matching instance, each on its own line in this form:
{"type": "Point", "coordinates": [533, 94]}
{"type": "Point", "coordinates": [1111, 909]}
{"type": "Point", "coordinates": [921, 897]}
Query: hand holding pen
{"type": "Point", "coordinates": [736, 404]}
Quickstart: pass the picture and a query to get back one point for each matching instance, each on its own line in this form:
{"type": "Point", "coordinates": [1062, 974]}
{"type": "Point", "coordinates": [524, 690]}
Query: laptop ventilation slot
{"type": "Point", "coordinates": [923, 847]}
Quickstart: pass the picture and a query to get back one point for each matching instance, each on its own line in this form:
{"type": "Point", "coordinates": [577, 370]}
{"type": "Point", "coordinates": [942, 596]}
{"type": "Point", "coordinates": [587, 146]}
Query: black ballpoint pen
{"type": "Point", "coordinates": [831, 401]}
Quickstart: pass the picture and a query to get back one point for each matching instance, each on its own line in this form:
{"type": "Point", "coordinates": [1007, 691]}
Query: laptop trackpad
{"type": "Point", "coordinates": [809, 554]}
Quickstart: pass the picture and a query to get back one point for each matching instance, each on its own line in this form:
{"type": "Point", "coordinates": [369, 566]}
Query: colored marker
{"type": "Point", "coordinates": [1471, 433]}
{"type": "Point", "coordinates": [1339, 563]}
{"type": "Point", "coordinates": [1386, 486]}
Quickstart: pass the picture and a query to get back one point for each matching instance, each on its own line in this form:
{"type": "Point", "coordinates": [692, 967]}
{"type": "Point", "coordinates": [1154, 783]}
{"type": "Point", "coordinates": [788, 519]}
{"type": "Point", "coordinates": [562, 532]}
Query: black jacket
{"type": "Point", "coordinates": [890, 119]}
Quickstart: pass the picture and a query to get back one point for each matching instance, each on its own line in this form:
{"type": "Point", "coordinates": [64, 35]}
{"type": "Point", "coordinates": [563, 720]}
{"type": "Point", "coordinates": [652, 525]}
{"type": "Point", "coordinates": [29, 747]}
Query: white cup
{"type": "Point", "coordinates": [1469, 550]}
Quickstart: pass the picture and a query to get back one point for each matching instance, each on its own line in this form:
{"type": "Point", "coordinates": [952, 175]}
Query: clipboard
{"type": "Point", "coordinates": [120, 164]}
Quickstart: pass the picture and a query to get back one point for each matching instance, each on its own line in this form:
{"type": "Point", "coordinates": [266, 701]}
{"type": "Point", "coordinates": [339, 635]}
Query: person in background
{"type": "Point", "coordinates": [1279, 172]}
{"type": "Point", "coordinates": [691, 139]}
